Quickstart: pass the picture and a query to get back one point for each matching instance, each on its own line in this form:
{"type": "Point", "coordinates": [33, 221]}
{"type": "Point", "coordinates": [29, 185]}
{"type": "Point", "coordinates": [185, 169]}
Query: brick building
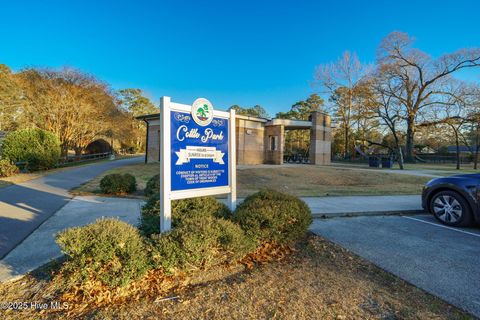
{"type": "Point", "coordinates": [260, 141]}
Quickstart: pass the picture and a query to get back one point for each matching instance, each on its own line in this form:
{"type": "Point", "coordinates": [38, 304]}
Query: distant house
{"type": "Point", "coordinates": [427, 149]}
{"type": "Point", "coordinates": [463, 149]}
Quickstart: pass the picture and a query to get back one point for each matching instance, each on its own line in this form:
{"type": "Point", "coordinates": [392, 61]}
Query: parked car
{"type": "Point", "coordinates": [453, 200]}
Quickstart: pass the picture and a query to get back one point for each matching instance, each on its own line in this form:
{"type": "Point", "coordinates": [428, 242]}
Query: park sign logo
{"type": "Point", "coordinates": [202, 112]}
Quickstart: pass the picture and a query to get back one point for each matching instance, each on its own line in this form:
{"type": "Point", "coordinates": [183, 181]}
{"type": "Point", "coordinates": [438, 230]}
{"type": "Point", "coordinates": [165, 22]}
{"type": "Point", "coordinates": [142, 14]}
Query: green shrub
{"type": "Point", "coordinates": [118, 184]}
{"type": "Point", "coordinates": [153, 186]}
{"type": "Point", "coordinates": [108, 250]}
{"type": "Point", "coordinates": [149, 222]}
{"type": "Point", "coordinates": [181, 210]}
{"type": "Point", "coordinates": [200, 242]}
{"type": "Point", "coordinates": [273, 216]}
{"type": "Point", "coordinates": [7, 168]}
{"type": "Point", "coordinates": [38, 148]}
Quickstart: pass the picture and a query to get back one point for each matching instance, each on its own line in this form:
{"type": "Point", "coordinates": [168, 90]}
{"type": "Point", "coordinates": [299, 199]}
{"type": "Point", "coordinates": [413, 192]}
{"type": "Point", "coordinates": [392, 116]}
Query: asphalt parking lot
{"type": "Point", "coordinates": [441, 260]}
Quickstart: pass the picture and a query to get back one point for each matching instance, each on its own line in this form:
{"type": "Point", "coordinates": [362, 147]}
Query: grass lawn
{"type": "Point", "coordinates": [306, 180]}
{"type": "Point", "coordinates": [142, 173]}
{"type": "Point", "coordinates": [23, 177]}
{"type": "Point", "coordinates": [302, 180]}
{"type": "Point", "coordinates": [319, 280]}
{"type": "Point", "coordinates": [433, 168]}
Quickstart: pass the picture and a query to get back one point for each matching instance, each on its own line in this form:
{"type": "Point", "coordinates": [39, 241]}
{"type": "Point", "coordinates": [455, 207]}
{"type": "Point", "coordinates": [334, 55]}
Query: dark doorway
{"type": "Point", "coordinates": [98, 146]}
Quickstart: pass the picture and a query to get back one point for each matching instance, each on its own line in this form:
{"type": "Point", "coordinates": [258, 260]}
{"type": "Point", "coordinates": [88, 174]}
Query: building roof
{"type": "Point", "coordinates": [291, 124]}
{"type": "Point", "coordinates": [251, 118]}
{"type": "Point", "coordinates": [146, 117]}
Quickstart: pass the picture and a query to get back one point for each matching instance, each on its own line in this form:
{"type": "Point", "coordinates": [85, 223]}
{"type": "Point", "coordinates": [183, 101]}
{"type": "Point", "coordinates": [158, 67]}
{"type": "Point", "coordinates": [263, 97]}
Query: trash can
{"type": "Point", "coordinates": [373, 162]}
{"type": "Point", "coordinates": [387, 163]}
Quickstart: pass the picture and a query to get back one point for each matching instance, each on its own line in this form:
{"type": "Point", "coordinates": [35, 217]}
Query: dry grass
{"type": "Point", "coordinates": [302, 180]}
{"type": "Point", "coordinates": [327, 180]}
{"type": "Point", "coordinates": [23, 177]}
{"type": "Point", "coordinates": [319, 280]}
{"type": "Point", "coordinates": [430, 168]}
{"type": "Point", "coordinates": [142, 172]}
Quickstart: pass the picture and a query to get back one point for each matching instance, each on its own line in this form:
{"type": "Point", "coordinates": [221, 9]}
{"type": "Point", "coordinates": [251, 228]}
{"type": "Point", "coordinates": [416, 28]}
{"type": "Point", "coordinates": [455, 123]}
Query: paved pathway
{"type": "Point", "coordinates": [40, 247]}
{"type": "Point", "coordinates": [441, 260]}
{"type": "Point", "coordinates": [23, 207]}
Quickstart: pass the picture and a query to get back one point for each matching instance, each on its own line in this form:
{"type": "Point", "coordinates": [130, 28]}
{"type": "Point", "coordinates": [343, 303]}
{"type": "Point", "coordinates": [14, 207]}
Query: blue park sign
{"type": "Point", "coordinates": [199, 150]}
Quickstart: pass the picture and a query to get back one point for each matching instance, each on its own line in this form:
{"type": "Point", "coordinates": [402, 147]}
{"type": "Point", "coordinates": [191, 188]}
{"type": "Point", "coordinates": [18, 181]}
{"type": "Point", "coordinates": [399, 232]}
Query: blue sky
{"type": "Point", "coordinates": [243, 52]}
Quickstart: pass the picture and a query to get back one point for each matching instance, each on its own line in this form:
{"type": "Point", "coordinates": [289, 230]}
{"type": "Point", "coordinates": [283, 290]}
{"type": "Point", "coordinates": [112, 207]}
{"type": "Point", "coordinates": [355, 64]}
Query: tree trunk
{"type": "Point", "coordinates": [346, 143]}
{"type": "Point", "coordinates": [78, 152]}
{"type": "Point", "coordinates": [400, 157]}
{"type": "Point", "coordinates": [475, 159]}
{"type": "Point", "coordinates": [399, 151]}
{"type": "Point", "coordinates": [64, 151]}
{"type": "Point", "coordinates": [410, 157]}
{"type": "Point", "coordinates": [457, 144]}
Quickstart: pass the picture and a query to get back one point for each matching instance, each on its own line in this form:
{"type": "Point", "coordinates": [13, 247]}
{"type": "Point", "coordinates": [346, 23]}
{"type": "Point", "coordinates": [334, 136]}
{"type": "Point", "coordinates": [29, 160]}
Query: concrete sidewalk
{"type": "Point", "coordinates": [329, 207]}
{"type": "Point", "coordinates": [40, 247]}
{"type": "Point", "coordinates": [25, 206]}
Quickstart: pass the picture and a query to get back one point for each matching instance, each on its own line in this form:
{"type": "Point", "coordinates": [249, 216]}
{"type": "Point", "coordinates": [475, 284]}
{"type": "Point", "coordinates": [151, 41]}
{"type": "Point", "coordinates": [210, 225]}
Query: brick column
{"type": "Point", "coordinates": [274, 135]}
{"type": "Point", "coordinates": [320, 139]}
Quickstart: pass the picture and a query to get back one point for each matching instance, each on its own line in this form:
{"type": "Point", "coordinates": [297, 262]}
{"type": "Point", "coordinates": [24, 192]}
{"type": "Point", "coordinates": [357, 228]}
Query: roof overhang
{"type": "Point", "coordinates": [290, 124]}
{"type": "Point", "coordinates": [147, 117]}
{"type": "Point", "coordinates": [250, 118]}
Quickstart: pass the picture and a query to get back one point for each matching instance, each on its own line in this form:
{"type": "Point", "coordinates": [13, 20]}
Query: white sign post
{"type": "Point", "coordinates": [197, 154]}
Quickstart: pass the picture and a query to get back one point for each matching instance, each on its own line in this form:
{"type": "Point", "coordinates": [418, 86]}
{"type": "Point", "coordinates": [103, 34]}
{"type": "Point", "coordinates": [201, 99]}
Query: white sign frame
{"type": "Point", "coordinates": [166, 194]}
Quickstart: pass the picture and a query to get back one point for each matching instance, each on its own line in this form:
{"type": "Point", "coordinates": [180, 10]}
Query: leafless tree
{"type": "Point", "coordinates": [386, 108]}
{"type": "Point", "coordinates": [340, 80]}
{"type": "Point", "coordinates": [416, 80]}
{"type": "Point", "coordinates": [453, 113]}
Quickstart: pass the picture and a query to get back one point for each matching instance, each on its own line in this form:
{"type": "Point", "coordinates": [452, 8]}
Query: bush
{"type": "Point", "coordinates": [181, 210]}
{"type": "Point", "coordinates": [273, 216]}
{"type": "Point", "coordinates": [200, 242]}
{"type": "Point", "coordinates": [7, 168]}
{"type": "Point", "coordinates": [118, 184]}
{"type": "Point", "coordinates": [38, 148]}
{"type": "Point", "coordinates": [108, 250]}
{"type": "Point", "coordinates": [149, 222]}
{"type": "Point", "coordinates": [153, 186]}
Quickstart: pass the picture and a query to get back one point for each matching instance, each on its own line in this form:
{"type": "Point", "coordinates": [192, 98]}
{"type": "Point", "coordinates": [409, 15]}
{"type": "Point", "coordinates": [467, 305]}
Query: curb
{"type": "Point", "coordinates": [329, 215]}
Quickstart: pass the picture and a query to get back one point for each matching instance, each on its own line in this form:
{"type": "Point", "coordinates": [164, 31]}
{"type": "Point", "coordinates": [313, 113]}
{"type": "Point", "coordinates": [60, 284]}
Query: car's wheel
{"type": "Point", "coordinates": [451, 208]}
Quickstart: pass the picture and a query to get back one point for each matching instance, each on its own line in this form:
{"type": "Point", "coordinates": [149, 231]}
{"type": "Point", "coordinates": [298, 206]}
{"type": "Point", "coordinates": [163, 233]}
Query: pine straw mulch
{"type": "Point", "coordinates": [313, 280]}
